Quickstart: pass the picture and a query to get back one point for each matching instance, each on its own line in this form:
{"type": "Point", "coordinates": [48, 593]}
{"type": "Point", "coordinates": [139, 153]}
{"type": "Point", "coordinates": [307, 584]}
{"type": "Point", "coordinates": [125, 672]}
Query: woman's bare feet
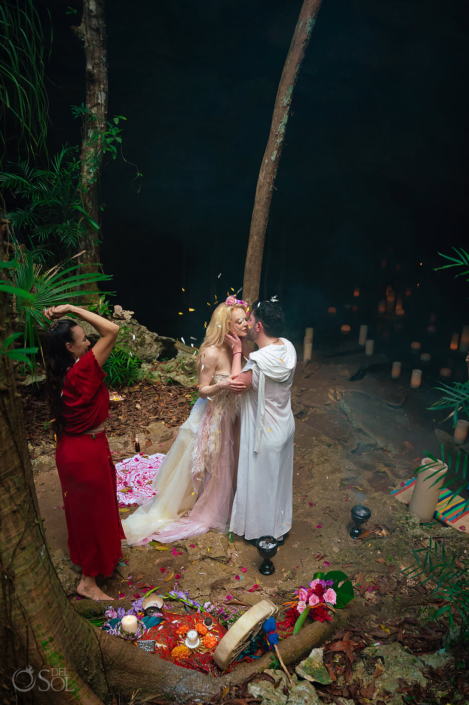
{"type": "Point", "coordinates": [88, 588]}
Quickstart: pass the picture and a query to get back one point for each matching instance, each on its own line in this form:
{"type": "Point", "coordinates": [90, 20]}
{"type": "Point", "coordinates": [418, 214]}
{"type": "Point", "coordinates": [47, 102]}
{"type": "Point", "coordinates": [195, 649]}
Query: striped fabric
{"type": "Point", "coordinates": [450, 513]}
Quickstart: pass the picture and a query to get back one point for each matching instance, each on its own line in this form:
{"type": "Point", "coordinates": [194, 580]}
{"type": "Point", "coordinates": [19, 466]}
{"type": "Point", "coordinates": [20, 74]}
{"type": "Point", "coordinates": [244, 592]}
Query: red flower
{"type": "Point", "coordinates": [291, 616]}
{"type": "Point", "coordinates": [177, 576]}
{"type": "Point", "coordinates": [163, 570]}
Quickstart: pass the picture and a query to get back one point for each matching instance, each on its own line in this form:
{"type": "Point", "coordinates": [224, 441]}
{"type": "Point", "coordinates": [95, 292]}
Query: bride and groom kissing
{"type": "Point", "coordinates": [231, 466]}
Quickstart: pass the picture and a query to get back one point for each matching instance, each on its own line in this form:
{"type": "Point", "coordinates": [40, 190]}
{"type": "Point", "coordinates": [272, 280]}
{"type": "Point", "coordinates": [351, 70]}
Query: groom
{"type": "Point", "coordinates": [263, 502]}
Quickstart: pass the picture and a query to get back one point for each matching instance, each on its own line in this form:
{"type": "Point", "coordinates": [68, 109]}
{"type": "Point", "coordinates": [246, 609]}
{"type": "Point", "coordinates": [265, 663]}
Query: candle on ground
{"type": "Point", "coordinates": [464, 342]}
{"type": "Point", "coordinates": [415, 346]}
{"type": "Point", "coordinates": [307, 350]}
{"type": "Point", "coordinates": [309, 334]}
{"type": "Point", "coordinates": [445, 372]}
{"type": "Point", "coordinates": [129, 623]}
{"type": "Point", "coordinates": [363, 335]}
{"type": "Point", "coordinates": [390, 299]}
{"type": "Point", "coordinates": [416, 379]}
{"type": "Point", "coordinates": [356, 291]}
{"type": "Point", "coordinates": [382, 306]}
{"type": "Point", "coordinates": [426, 494]}
{"type": "Point", "coordinates": [369, 347]}
{"type": "Point", "coordinates": [400, 311]}
{"type": "Point", "coordinates": [425, 357]}
{"type": "Point", "coordinates": [454, 341]}
{"type": "Point", "coordinates": [345, 328]}
{"type": "Point", "coordinates": [332, 310]}
{"type": "Point", "coordinates": [460, 432]}
{"type": "Point", "coordinates": [396, 370]}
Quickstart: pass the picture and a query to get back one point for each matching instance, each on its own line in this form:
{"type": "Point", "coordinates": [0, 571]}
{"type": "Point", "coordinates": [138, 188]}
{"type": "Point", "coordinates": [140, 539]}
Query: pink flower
{"type": "Point", "coordinates": [244, 570]}
{"type": "Point", "coordinates": [330, 596]}
{"type": "Point", "coordinates": [231, 300]}
{"type": "Point", "coordinates": [237, 577]}
{"type": "Point", "coordinates": [177, 576]}
{"type": "Point", "coordinates": [313, 600]}
{"type": "Point", "coordinates": [174, 552]}
{"type": "Point", "coordinates": [301, 606]}
{"type": "Point", "coordinates": [311, 504]}
{"type": "Point", "coordinates": [313, 584]}
{"type": "Point", "coordinates": [303, 594]}
{"type": "Point", "coordinates": [192, 545]}
{"type": "Point", "coordinates": [326, 564]}
{"type": "Point", "coordinates": [229, 597]}
{"type": "Point", "coordinates": [319, 526]}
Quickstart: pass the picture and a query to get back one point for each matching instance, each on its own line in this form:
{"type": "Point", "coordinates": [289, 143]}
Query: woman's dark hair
{"type": "Point", "coordinates": [58, 361]}
{"type": "Point", "coordinates": [271, 315]}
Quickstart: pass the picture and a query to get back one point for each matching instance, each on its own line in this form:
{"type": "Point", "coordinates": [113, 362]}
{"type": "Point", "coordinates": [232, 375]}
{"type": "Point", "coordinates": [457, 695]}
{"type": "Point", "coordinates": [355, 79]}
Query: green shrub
{"type": "Point", "coordinates": [122, 368]}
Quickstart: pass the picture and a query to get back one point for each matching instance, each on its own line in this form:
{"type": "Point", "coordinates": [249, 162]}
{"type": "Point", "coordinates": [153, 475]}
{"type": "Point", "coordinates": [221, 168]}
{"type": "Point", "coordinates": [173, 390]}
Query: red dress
{"type": "Point", "coordinates": [87, 473]}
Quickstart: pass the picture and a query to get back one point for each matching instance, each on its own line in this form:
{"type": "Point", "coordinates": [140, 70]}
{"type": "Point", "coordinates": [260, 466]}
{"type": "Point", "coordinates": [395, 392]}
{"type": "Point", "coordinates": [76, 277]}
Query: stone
{"type": "Point", "coordinates": [303, 693]}
{"type": "Point", "coordinates": [439, 658]}
{"type": "Point", "coordinates": [313, 668]}
{"type": "Point", "coordinates": [182, 369]}
{"type": "Point", "coordinates": [398, 664]}
{"type": "Point", "coordinates": [268, 692]}
{"type": "Point", "coordinates": [143, 343]}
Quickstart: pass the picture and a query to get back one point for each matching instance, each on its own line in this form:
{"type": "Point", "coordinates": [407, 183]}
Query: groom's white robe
{"type": "Point", "coordinates": [263, 501]}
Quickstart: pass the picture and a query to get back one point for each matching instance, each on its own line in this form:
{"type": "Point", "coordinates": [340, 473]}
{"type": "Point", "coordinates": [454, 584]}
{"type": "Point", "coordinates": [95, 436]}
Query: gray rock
{"type": "Point", "coordinates": [138, 339]}
{"type": "Point", "coordinates": [267, 691]}
{"type": "Point", "coordinates": [397, 664]}
{"type": "Point", "coordinates": [313, 668]}
{"type": "Point", "coordinates": [303, 693]}
{"type": "Point", "coordinates": [439, 658]}
{"type": "Point", "coordinates": [182, 369]}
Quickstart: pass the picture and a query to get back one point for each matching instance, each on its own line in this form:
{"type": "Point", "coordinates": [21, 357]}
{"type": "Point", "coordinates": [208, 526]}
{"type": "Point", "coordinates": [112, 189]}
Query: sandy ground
{"type": "Point", "coordinates": [355, 441]}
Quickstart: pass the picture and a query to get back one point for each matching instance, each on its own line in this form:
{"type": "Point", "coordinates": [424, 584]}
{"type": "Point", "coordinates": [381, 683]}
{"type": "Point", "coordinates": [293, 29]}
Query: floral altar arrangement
{"type": "Point", "coordinates": [326, 592]}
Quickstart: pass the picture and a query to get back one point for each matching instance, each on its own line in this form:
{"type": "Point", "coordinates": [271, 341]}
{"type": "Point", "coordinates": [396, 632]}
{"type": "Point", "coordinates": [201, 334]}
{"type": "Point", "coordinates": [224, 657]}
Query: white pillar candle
{"type": "Point", "coordinates": [400, 311]}
{"type": "Point", "coordinates": [425, 497]}
{"type": "Point", "coordinates": [464, 342]}
{"type": "Point", "coordinates": [445, 372]}
{"type": "Point", "coordinates": [399, 302]}
{"type": "Point", "coordinates": [416, 379]}
{"type": "Point", "coordinates": [332, 310]}
{"type": "Point", "coordinates": [363, 334]}
{"type": "Point", "coordinates": [309, 334]}
{"type": "Point", "coordinates": [345, 328]}
{"type": "Point", "coordinates": [460, 432]}
{"type": "Point", "coordinates": [192, 639]}
{"type": "Point", "coordinates": [415, 346]}
{"type": "Point", "coordinates": [382, 306]}
{"type": "Point", "coordinates": [425, 357]}
{"type": "Point", "coordinates": [396, 370]}
{"type": "Point", "coordinates": [129, 623]}
{"type": "Point", "coordinates": [307, 350]}
{"type": "Point", "coordinates": [369, 347]}
{"type": "Point", "coordinates": [454, 341]}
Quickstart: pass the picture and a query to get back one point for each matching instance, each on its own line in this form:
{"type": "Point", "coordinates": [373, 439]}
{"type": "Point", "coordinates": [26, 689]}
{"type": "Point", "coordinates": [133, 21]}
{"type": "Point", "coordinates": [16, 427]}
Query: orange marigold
{"type": "Point", "coordinates": [201, 628]}
{"type": "Point", "coordinates": [180, 653]}
{"type": "Point", "coordinates": [210, 641]}
{"type": "Point", "coordinates": [182, 630]}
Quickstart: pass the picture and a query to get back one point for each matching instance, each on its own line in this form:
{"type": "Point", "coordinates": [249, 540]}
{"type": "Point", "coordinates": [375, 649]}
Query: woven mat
{"type": "Point", "coordinates": [450, 513]}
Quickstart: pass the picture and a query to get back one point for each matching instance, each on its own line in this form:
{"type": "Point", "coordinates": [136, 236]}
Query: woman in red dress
{"type": "Point", "coordinates": [79, 403]}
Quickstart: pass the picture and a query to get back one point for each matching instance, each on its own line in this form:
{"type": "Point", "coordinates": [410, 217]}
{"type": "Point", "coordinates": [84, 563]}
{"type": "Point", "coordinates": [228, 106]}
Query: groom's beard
{"type": "Point", "coordinates": [251, 335]}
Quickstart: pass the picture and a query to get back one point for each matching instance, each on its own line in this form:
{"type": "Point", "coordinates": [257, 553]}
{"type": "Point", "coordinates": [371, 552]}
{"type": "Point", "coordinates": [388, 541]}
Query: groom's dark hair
{"type": "Point", "coordinates": [271, 315]}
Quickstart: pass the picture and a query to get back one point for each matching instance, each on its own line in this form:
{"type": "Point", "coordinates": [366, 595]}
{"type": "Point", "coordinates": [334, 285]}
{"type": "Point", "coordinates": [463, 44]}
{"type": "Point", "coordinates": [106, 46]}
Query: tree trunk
{"type": "Point", "coordinates": [92, 32]}
{"type": "Point", "coordinates": [271, 158]}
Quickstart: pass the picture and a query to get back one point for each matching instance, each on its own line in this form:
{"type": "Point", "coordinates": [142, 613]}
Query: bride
{"type": "Point", "coordinates": [196, 482]}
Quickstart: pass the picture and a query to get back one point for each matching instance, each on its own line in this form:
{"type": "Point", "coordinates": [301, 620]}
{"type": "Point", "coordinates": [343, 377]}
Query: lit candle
{"type": "Point", "coordinates": [445, 372]}
{"type": "Point", "coordinates": [399, 303]}
{"type": "Point", "coordinates": [369, 347]}
{"type": "Point", "coordinates": [192, 639]}
{"type": "Point", "coordinates": [382, 306]}
{"type": "Point", "coordinates": [363, 334]}
{"type": "Point", "coordinates": [431, 329]}
{"type": "Point", "coordinates": [390, 299]}
{"type": "Point", "coordinates": [307, 350]}
{"type": "Point", "coordinates": [400, 311]}
{"type": "Point", "coordinates": [454, 341]}
{"type": "Point", "coordinates": [129, 623]}
{"type": "Point", "coordinates": [356, 291]}
{"type": "Point", "coordinates": [460, 432]}
{"type": "Point", "coordinates": [309, 334]}
{"type": "Point", "coordinates": [426, 494]}
{"type": "Point", "coordinates": [416, 379]}
{"type": "Point", "coordinates": [332, 310]}
{"type": "Point", "coordinates": [425, 357]}
{"type": "Point", "coordinates": [408, 292]}
{"type": "Point", "coordinates": [415, 346]}
{"type": "Point", "coordinates": [396, 370]}
{"type": "Point", "coordinates": [345, 328]}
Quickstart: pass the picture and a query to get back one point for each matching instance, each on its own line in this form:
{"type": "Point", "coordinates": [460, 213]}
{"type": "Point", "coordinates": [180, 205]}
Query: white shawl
{"type": "Point", "coordinates": [277, 363]}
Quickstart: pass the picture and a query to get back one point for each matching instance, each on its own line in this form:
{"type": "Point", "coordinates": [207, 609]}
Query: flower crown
{"type": "Point", "coordinates": [232, 301]}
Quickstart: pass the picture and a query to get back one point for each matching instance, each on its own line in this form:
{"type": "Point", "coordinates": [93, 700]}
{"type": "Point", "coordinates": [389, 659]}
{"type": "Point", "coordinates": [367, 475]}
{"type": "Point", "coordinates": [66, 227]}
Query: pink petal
{"type": "Point", "coordinates": [244, 570]}
{"type": "Point", "coordinates": [229, 597]}
{"type": "Point", "coordinates": [463, 528]}
{"type": "Point", "coordinates": [163, 570]}
{"type": "Point", "coordinates": [180, 553]}
{"type": "Point", "coordinates": [311, 504]}
{"type": "Point", "coordinates": [192, 545]}
{"type": "Point", "coordinates": [402, 484]}
{"type": "Point", "coordinates": [177, 576]}
{"type": "Point", "coordinates": [253, 588]}
{"type": "Point", "coordinates": [121, 595]}
{"type": "Point", "coordinates": [137, 596]}
{"type": "Point", "coordinates": [174, 552]}
{"type": "Point", "coordinates": [319, 526]}
{"type": "Point", "coordinates": [327, 564]}
{"type": "Point", "coordinates": [237, 577]}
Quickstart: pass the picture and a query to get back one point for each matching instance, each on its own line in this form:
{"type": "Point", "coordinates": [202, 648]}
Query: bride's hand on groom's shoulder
{"type": "Point", "coordinates": [235, 386]}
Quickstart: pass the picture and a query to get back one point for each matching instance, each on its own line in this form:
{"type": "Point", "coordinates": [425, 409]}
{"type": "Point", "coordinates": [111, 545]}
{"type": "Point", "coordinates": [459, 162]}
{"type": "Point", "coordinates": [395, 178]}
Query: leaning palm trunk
{"type": "Point", "coordinates": [271, 158]}
{"type": "Point", "coordinates": [92, 32]}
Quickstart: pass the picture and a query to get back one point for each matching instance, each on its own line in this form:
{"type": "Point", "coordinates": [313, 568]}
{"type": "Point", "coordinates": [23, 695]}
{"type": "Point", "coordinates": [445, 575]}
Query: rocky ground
{"type": "Point", "coordinates": [355, 441]}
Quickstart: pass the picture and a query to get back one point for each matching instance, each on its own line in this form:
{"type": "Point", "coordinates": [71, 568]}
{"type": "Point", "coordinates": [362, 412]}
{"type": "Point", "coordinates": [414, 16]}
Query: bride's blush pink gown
{"type": "Point", "coordinates": [196, 482]}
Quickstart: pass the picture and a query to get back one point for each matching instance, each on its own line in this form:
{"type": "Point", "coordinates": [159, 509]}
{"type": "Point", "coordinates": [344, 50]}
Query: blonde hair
{"type": "Point", "coordinates": [218, 327]}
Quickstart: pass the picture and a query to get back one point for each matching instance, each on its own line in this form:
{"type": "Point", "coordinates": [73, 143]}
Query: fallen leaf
{"type": "Point", "coordinates": [380, 560]}
{"type": "Point", "coordinates": [147, 443]}
{"type": "Point", "coordinates": [385, 629]}
{"type": "Point", "coordinates": [162, 548]}
{"type": "Point", "coordinates": [169, 577]}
